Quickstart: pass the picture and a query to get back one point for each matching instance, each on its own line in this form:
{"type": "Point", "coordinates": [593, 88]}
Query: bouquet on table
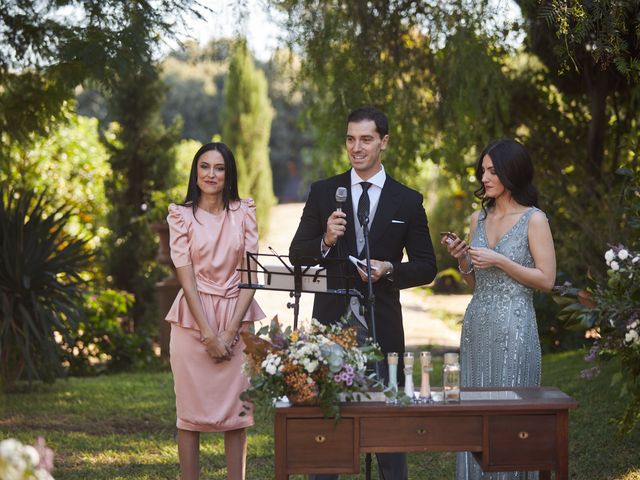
{"type": "Point", "coordinates": [314, 365]}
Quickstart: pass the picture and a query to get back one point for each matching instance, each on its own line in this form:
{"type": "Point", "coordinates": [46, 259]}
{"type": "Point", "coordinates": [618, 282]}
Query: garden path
{"type": "Point", "coordinates": [428, 319]}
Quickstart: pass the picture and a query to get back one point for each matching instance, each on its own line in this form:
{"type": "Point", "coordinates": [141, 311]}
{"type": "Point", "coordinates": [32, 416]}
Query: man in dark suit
{"type": "Point", "coordinates": [397, 222]}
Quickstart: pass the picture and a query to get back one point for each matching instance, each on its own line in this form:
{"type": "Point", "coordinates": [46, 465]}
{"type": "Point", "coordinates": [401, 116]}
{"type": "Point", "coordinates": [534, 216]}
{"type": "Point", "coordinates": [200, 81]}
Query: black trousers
{"type": "Point", "coordinates": [391, 466]}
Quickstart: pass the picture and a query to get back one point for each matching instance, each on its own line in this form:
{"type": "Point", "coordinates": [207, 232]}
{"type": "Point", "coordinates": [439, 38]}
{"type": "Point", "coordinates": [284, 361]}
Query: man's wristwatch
{"type": "Point", "coordinates": [389, 273]}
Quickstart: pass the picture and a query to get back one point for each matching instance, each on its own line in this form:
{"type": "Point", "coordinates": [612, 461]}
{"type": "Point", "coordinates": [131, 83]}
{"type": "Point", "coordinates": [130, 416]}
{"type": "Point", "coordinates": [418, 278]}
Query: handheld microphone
{"type": "Point", "coordinates": [341, 198]}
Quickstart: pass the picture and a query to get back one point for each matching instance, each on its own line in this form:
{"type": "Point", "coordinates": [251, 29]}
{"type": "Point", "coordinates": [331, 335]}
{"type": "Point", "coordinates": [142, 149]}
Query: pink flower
{"type": "Point", "coordinates": [46, 455]}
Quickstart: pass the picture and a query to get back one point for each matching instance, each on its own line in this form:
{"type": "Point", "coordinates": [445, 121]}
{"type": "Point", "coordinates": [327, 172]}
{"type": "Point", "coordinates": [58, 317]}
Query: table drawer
{"type": "Point", "coordinates": [437, 433]}
{"type": "Point", "coordinates": [522, 439]}
{"type": "Point", "coordinates": [317, 445]}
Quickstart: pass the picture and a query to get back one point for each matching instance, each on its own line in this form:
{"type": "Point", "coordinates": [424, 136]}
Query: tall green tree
{"type": "Point", "coordinates": [592, 52]}
{"type": "Point", "coordinates": [246, 126]}
{"type": "Point", "coordinates": [49, 47]}
{"type": "Point", "coordinates": [433, 67]}
{"type": "Point", "coordinates": [142, 159]}
{"type": "Point", "coordinates": [589, 112]}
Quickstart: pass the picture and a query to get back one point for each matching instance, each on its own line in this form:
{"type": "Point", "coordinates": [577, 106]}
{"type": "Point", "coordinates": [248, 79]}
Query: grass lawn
{"type": "Point", "coordinates": [122, 427]}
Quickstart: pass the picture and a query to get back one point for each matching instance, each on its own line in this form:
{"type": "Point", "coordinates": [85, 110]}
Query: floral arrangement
{"type": "Point", "coordinates": [25, 462]}
{"type": "Point", "coordinates": [314, 365]}
{"type": "Point", "coordinates": [611, 313]}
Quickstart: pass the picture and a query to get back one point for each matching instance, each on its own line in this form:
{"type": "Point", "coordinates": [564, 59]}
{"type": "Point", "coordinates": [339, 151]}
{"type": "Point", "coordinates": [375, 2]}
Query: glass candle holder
{"type": "Point", "coordinates": [451, 378]}
{"type": "Point", "coordinates": [392, 362]}
{"type": "Point", "coordinates": [427, 367]}
{"type": "Point", "coordinates": [408, 374]}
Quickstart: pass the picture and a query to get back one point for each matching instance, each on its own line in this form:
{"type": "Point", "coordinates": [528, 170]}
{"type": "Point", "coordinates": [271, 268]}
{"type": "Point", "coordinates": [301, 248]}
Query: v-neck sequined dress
{"type": "Point", "coordinates": [499, 344]}
{"type": "Point", "coordinates": [207, 392]}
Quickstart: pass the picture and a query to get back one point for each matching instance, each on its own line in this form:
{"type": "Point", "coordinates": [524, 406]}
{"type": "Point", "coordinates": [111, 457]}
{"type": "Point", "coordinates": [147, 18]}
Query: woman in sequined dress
{"type": "Point", "coordinates": [511, 254]}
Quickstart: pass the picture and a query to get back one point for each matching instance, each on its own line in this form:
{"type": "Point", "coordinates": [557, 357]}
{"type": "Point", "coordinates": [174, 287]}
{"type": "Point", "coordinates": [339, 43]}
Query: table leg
{"type": "Point", "coordinates": [280, 433]}
{"type": "Point", "coordinates": [562, 432]}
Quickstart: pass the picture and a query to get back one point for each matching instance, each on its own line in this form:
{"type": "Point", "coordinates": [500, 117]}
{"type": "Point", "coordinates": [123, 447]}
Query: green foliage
{"type": "Point", "coordinates": [431, 66]}
{"type": "Point", "coordinates": [70, 164]}
{"type": "Point", "coordinates": [356, 54]}
{"type": "Point", "coordinates": [161, 199]}
{"type": "Point", "coordinates": [104, 339]}
{"type": "Point", "coordinates": [49, 47]}
{"type": "Point", "coordinates": [607, 32]}
{"type": "Point", "coordinates": [143, 161]}
{"type": "Point", "coordinates": [612, 309]}
{"type": "Point", "coordinates": [40, 285]}
{"type": "Point", "coordinates": [289, 140]}
{"type": "Point", "coordinates": [246, 126]}
{"type": "Point", "coordinates": [194, 77]}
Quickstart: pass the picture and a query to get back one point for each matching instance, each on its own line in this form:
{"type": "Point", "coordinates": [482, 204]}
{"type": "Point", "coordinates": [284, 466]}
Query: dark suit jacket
{"type": "Point", "coordinates": [399, 223]}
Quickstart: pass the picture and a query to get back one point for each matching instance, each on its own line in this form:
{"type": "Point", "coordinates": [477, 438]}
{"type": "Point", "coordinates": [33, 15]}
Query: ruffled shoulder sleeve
{"type": "Point", "coordinates": [250, 226]}
{"type": "Point", "coordinates": [178, 236]}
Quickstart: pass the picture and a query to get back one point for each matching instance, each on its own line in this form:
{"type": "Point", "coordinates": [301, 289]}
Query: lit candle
{"type": "Point", "coordinates": [408, 374]}
{"type": "Point", "coordinates": [425, 387]}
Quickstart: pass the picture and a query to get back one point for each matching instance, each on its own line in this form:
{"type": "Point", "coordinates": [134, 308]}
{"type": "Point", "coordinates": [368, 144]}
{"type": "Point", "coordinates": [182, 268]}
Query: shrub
{"type": "Point", "coordinates": [40, 285]}
{"type": "Point", "coordinates": [105, 340]}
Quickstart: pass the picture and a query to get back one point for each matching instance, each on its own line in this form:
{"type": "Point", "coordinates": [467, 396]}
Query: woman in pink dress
{"type": "Point", "coordinates": [210, 234]}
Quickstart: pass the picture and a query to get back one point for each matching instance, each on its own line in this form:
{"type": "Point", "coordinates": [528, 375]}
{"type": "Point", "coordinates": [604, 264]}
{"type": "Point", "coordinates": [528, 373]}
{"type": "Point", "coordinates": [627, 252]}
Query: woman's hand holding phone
{"type": "Point", "coordinates": [455, 245]}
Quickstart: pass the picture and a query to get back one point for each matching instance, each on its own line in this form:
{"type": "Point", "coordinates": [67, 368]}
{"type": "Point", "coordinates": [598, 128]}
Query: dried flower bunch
{"type": "Point", "coordinates": [314, 365]}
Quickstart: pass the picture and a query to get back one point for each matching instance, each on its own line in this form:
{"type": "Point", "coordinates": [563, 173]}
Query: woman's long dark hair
{"type": "Point", "coordinates": [230, 190]}
{"type": "Point", "coordinates": [514, 168]}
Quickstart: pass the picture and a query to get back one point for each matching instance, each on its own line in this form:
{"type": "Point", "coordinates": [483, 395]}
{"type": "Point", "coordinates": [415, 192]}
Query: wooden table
{"type": "Point", "coordinates": [506, 429]}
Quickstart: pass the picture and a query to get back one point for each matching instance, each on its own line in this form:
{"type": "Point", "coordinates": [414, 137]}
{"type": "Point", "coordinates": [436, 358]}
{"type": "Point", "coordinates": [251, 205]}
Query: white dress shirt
{"type": "Point", "coordinates": [377, 182]}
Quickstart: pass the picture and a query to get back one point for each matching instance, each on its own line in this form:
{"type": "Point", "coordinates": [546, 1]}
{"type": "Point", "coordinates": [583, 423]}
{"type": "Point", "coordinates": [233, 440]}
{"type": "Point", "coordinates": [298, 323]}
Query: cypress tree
{"type": "Point", "coordinates": [246, 127]}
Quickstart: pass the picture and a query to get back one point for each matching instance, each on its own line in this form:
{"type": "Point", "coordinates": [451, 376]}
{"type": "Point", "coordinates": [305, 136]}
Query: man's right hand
{"type": "Point", "coordinates": [336, 227]}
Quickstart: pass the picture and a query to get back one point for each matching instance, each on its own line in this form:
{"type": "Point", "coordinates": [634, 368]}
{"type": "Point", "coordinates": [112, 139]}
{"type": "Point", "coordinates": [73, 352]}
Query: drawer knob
{"type": "Point", "coordinates": [320, 438]}
{"type": "Point", "coordinates": [421, 431]}
{"type": "Point", "coordinates": [523, 435]}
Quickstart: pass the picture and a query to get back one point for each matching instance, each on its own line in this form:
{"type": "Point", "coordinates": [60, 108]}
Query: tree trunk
{"type": "Point", "coordinates": [597, 84]}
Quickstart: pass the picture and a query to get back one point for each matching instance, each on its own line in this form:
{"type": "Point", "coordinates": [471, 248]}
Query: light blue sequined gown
{"type": "Point", "coordinates": [499, 345]}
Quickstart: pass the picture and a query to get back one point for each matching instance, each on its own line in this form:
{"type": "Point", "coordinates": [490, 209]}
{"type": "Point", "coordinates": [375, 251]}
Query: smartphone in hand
{"type": "Point", "coordinates": [361, 265]}
{"type": "Point", "coordinates": [449, 237]}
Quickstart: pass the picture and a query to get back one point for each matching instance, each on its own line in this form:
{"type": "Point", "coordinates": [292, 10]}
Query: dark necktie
{"type": "Point", "coordinates": [363, 204]}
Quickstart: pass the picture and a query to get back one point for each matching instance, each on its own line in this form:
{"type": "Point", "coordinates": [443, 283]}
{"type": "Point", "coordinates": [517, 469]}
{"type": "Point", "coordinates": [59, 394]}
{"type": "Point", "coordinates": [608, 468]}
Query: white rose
{"type": "Point", "coordinates": [32, 454]}
{"type": "Point", "coordinates": [270, 364]}
{"type": "Point", "coordinates": [9, 447]}
{"type": "Point", "coordinates": [42, 475]}
{"type": "Point", "coordinates": [636, 259]}
{"type": "Point", "coordinates": [270, 368]}
{"type": "Point", "coordinates": [609, 255]}
{"type": "Point", "coordinates": [614, 266]}
{"type": "Point", "coordinates": [631, 336]}
{"type": "Point", "coordinates": [633, 325]}
{"type": "Point", "coordinates": [310, 365]}
{"type": "Point", "coordinates": [623, 254]}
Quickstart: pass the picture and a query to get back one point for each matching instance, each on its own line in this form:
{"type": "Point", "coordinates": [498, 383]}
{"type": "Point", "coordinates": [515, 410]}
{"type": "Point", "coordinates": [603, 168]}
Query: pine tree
{"type": "Point", "coordinates": [246, 126]}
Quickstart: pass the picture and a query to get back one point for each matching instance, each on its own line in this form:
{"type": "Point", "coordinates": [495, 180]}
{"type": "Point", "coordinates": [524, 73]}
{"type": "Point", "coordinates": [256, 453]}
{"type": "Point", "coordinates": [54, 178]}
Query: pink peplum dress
{"type": "Point", "coordinates": [207, 393]}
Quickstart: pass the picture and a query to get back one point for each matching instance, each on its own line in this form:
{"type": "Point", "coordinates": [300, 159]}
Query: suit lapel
{"type": "Point", "coordinates": [387, 207]}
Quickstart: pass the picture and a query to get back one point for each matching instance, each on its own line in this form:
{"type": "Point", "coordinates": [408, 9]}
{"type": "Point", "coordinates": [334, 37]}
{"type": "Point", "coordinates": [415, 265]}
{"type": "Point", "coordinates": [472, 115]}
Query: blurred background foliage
{"type": "Point", "coordinates": [96, 112]}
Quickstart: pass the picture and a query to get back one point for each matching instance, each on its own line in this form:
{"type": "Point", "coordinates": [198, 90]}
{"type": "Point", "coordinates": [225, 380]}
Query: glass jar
{"type": "Point", "coordinates": [451, 378]}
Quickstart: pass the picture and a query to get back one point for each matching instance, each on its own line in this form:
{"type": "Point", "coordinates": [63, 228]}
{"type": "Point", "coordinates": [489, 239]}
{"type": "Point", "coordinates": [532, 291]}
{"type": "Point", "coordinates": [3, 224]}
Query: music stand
{"type": "Point", "coordinates": [295, 279]}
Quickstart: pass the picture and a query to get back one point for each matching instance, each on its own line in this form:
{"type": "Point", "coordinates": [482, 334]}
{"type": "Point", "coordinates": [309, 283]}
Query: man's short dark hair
{"type": "Point", "coordinates": [370, 113]}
